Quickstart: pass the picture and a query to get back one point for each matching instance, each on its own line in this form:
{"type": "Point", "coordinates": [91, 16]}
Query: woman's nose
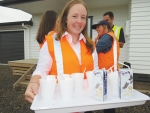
{"type": "Point", "coordinates": [79, 20]}
{"type": "Point", "coordinates": [97, 29]}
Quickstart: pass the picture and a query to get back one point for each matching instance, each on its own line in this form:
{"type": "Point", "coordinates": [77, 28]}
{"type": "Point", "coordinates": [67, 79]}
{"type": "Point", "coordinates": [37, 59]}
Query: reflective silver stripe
{"type": "Point", "coordinates": [115, 54]}
{"type": "Point", "coordinates": [116, 32]}
{"type": "Point", "coordinates": [95, 59]}
{"type": "Point", "coordinates": [58, 56]}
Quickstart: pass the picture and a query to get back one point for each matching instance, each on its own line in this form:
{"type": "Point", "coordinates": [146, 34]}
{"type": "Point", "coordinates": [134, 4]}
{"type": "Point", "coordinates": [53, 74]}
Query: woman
{"type": "Point", "coordinates": [48, 24]}
{"type": "Point", "coordinates": [104, 47]}
{"type": "Point", "coordinates": [73, 43]}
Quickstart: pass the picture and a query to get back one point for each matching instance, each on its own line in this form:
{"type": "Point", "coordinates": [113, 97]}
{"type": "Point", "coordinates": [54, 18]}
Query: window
{"type": "Point", "coordinates": [90, 22]}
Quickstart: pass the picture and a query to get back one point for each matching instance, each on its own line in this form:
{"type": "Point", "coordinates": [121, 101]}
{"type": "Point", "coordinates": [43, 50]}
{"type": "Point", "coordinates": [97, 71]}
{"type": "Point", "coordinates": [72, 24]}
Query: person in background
{"type": "Point", "coordinates": [104, 48]}
{"type": "Point", "coordinates": [104, 45]}
{"type": "Point", "coordinates": [72, 41]}
{"type": "Point", "coordinates": [109, 16]}
{"type": "Point", "coordinates": [48, 24]}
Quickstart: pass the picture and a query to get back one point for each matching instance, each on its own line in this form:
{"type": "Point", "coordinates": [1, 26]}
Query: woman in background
{"type": "Point", "coordinates": [48, 24]}
{"type": "Point", "coordinates": [104, 48]}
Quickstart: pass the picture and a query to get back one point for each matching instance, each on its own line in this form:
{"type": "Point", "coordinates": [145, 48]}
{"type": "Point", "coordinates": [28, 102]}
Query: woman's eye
{"type": "Point", "coordinates": [83, 18]}
{"type": "Point", "coordinates": [74, 16]}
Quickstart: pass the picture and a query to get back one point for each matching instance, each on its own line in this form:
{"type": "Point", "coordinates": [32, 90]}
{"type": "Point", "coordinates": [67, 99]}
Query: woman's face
{"type": "Point", "coordinates": [100, 30]}
{"type": "Point", "coordinates": [76, 19]}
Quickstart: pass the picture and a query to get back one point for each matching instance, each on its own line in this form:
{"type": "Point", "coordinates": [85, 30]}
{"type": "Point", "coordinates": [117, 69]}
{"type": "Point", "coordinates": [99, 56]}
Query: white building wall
{"type": "Point", "coordinates": [32, 47]}
{"type": "Point", "coordinates": [120, 15]}
{"type": "Point", "coordinates": [26, 43]}
{"type": "Point", "coordinates": [127, 33]}
{"type": "Point", "coordinates": [139, 47]}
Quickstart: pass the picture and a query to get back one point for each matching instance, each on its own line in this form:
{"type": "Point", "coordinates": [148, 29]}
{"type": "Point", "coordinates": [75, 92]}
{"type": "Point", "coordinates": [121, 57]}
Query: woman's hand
{"type": "Point", "coordinates": [31, 91]}
{"type": "Point", "coordinates": [32, 88]}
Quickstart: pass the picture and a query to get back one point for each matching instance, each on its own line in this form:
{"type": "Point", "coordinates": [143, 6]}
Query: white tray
{"type": "Point", "coordinates": [83, 101]}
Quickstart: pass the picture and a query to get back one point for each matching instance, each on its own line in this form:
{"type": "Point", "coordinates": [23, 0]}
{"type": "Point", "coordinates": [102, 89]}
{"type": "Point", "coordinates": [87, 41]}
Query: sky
{"type": "Point", "coordinates": [13, 15]}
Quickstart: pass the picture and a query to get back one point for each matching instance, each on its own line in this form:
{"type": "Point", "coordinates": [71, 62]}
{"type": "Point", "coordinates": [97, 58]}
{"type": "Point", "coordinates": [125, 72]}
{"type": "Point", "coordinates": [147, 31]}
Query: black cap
{"type": "Point", "coordinates": [102, 22]}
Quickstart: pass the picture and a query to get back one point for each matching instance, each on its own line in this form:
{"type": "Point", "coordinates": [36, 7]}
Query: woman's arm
{"type": "Point", "coordinates": [43, 67]}
{"type": "Point", "coordinates": [104, 44]}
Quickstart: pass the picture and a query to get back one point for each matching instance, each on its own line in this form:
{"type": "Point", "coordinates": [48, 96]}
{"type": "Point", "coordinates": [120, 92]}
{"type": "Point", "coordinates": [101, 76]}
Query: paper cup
{"type": "Point", "coordinates": [66, 88]}
{"type": "Point", "coordinates": [67, 75]}
{"type": "Point", "coordinates": [89, 76]}
{"type": "Point", "coordinates": [63, 76]}
{"type": "Point", "coordinates": [113, 85]}
{"type": "Point", "coordinates": [78, 77]}
{"type": "Point", "coordinates": [47, 89]}
{"type": "Point", "coordinates": [48, 77]}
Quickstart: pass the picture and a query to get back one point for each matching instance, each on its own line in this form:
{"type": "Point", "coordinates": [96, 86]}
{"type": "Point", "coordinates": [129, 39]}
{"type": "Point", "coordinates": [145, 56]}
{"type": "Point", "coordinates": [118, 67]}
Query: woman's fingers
{"type": "Point", "coordinates": [29, 96]}
{"type": "Point", "coordinates": [29, 99]}
{"type": "Point", "coordinates": [31, 91]}
{"type": "Point", "coordinates": [35, 89]}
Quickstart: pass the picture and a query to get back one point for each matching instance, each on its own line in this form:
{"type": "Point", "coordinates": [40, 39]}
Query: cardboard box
{"type": "Point", "coordinates": [126, 83]}
{"type": "Point", "coordinates": [99, 89]}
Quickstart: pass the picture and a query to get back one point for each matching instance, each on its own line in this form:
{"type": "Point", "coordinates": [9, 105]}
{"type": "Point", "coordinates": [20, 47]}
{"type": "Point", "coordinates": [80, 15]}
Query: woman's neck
{"type": "Point", "coordinates": [75, 39]}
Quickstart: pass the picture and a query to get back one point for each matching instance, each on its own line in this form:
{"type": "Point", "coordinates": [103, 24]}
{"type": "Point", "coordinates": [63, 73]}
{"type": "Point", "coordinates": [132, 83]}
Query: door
{"type": "Point", "coordinates": [11, 46]}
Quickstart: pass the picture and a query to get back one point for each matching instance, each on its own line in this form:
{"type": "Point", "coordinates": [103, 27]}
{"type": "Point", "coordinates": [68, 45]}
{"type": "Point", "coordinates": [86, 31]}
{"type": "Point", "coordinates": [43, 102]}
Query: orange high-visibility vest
{"type": "Point", "coordinates": [70, 60]}
{"type": "Point", "coordinates": [106, 60]}
{"type": "Point", "coordinates": [50, 33]}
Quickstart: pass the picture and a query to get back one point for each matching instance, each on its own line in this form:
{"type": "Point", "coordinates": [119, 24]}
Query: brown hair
{"type": "Point", "coordinates": [63, 25]}
{"type": "Point", "coordinates": [109, 13]}
{"type": "Point", "coordinates": [106, 27]}
{"type": "Point", "coordinates": [47, 24]}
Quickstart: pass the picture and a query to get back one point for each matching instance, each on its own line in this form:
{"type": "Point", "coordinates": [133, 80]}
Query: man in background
{"type": "Point", "coordinates": [109, 16]}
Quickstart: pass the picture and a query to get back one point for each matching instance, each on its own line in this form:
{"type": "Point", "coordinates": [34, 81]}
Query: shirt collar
{"type": "Point", "coordinates": [81, 36]}
{"type": "Point", "coordinates": [112, 27]}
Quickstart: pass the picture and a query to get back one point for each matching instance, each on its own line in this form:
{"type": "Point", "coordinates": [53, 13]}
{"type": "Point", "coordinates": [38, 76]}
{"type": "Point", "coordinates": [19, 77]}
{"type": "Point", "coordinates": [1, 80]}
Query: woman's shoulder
{"type": "Point", "coordinates": [51, 32]}
{"type": "Point", "coordinates": [106, 36]}
{"type": "Point", "coordinates": [51, 35]}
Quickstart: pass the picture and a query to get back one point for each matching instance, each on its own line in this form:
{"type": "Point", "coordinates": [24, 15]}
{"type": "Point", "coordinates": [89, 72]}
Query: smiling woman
{"type": "Point", "coordinates": [14, 15]}
{"type": "Point", "coordinates": [69, 51]}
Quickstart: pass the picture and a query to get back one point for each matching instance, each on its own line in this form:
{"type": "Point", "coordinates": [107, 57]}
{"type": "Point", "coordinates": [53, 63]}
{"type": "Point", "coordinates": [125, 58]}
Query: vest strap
{"type": "Point", "coordinates": [95, 59]}
{"type": "Point", "coordinates": [115, 54]}
{"type": "Point", "coordinates": [116, 31]}
{"type": "Point", "coordinates": [58, 56]}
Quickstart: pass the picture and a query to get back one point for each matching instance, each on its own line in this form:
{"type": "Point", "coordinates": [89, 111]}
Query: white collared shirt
{"type": "Point", "coordinates": [45, 60]}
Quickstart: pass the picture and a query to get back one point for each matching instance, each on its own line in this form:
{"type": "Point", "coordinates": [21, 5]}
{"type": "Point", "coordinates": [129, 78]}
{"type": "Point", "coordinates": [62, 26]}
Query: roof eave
{"type": "Point", "coordinates": [13, 2]}
{"type": "Point", "coordinates": [28, 23]}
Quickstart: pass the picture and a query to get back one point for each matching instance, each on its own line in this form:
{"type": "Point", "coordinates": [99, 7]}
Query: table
{"type": "Point", "coordinates": [83, 101]}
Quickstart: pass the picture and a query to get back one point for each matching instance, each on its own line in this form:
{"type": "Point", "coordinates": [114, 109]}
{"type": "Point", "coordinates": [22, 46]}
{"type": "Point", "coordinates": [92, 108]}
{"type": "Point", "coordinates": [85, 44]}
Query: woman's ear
{"type": "Point", "coordinates": [105, 29]}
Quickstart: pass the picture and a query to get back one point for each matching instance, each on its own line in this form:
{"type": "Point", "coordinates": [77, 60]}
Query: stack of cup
{"type": "Point", "coordinates": [78, 77]}
{"type": "Point", "coordinates": [66, 85]}
{"type": "Point", "coordinates": [48, 77]}
{"type": "Point", "coordinates": [63, 76]}
{"type": "Point", "coordinates": [47, 87]}
{"type": "Point", "coordinates": [89, 76]}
